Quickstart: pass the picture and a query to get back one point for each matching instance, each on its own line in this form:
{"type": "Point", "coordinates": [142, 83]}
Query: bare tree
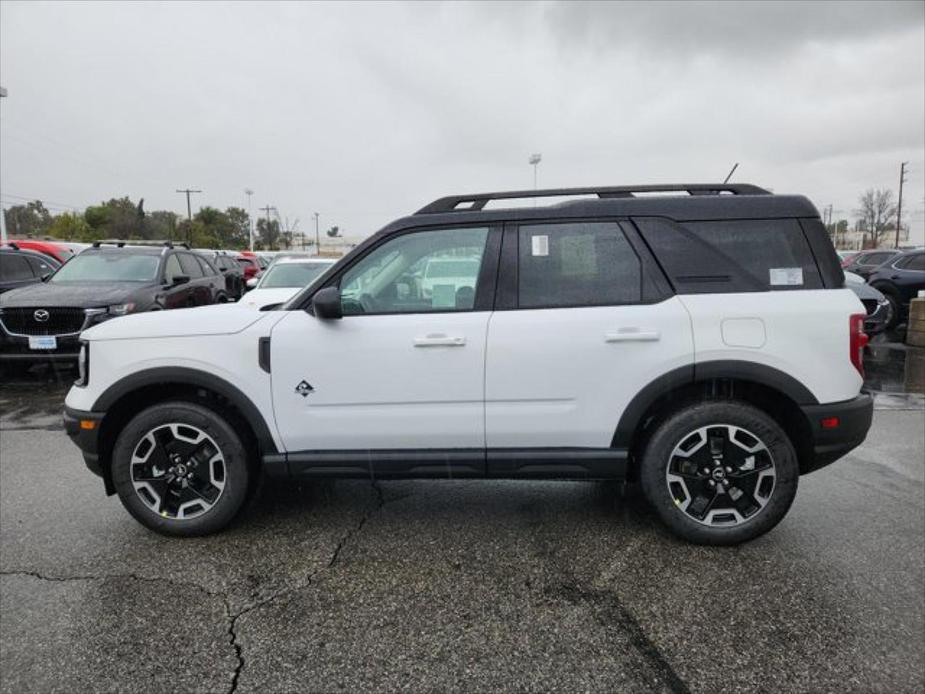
{"type": "Point", "coordinates": [876, 212]}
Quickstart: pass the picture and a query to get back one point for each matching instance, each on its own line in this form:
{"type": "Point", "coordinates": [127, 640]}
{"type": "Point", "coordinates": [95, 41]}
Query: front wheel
{"type": "Point", "coordinates": [720, 473]}
{"type": "Point", "coordinates": [180, 469]}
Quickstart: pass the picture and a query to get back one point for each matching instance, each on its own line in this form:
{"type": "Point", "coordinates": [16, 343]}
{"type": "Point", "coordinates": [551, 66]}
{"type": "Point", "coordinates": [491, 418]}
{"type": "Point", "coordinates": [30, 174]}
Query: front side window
{"type": "Point", "coordinates": [109, 267]}
{"type": "Point", "coordinates": [577, 264]}
{"type": "Point", "coordinates": [418, 272]}
{"type": "Point", "coordinates": [190, 266]}
{"type": "Point", "coordinates": [14, 268]}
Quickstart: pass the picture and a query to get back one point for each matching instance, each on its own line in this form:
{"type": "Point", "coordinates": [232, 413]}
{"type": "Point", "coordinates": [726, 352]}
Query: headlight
{"type": "Point", "coordinates": [121, 309]}
{"type": "Point", "coordinates": [83, 365]}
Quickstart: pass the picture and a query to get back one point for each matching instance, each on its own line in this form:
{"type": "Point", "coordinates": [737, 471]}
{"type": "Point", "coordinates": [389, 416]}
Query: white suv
{"type": "Point", "coordinates": [700, 342]}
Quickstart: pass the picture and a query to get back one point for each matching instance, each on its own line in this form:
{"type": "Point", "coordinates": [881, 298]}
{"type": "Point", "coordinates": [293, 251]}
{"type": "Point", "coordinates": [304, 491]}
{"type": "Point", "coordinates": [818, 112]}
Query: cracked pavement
{"type": "Point", "coordinates": [460, 585]}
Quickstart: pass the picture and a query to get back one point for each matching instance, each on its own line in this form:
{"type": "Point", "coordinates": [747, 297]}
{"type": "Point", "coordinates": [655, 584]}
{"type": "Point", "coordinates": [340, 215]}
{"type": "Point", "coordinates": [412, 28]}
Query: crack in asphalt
{"type": "Point", "coordinates": [372, 508]}
{"type": "Point", "coordinates": [231, 617]}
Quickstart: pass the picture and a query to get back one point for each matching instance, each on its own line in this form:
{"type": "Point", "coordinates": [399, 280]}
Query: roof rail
{"type": "Point", "coordinates": [478, 201]}
{"type": "Point", "coordinates": [121, 243]}
{"type": "Point", "coordinates": [12, 244]}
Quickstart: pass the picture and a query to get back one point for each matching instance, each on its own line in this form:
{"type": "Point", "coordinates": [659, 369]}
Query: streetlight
{"type": "Point", "coordinates": [2, 211]}
{"type": "Point", "coordinates": [317, 235]}
{"type": "Point", "coordinates": [250, 218]}
{"type": "Point", "coordinates": [535, 160]}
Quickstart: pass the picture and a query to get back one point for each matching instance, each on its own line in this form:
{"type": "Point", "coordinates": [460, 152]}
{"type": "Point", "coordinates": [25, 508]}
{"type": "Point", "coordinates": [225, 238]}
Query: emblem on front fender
{"type": "Point", "coordinates": [304, 389]}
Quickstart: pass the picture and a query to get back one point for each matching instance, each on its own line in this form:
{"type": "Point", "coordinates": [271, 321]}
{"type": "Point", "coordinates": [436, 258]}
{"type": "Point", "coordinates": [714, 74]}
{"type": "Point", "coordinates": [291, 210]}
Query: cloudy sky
{"type": "Point", "coordinates": [364, 112]}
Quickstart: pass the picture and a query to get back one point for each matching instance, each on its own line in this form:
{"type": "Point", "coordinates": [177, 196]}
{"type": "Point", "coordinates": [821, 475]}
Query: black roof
{"type": "Point", "coordinates": [693, 202]}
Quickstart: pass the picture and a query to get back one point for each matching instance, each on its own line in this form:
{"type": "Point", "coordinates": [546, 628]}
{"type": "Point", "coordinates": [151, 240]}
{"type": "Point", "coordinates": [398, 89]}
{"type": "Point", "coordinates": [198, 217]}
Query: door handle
{"type": "Point", "coordinates": [439, 341]}
{"type": "Point", "coordinates": [632, 335]}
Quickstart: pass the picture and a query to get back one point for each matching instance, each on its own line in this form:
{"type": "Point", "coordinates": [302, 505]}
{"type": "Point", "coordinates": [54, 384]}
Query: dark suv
{"type": "Point", "coordinates": [900, 279]}
{"type": "Point", "coordinates": [229, 268]}
{"type": "Point", "coordinates": [865, 262]}
{"type": "Point", "coordinates": [43, 320]}
{"type": "Point", "coordinates": [20, 267]}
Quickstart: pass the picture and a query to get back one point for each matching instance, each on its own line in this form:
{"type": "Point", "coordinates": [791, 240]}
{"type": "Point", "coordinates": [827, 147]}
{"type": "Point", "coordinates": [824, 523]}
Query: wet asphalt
{"type": "Point", "coordinates": [462, 585]}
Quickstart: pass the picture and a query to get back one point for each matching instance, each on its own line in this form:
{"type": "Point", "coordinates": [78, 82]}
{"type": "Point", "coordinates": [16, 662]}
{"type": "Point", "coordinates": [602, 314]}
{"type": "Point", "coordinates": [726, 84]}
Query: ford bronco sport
{"type": "Point", "coordinates": [701, 342]}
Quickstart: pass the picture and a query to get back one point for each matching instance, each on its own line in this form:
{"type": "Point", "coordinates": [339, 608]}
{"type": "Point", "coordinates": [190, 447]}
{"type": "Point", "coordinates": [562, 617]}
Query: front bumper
{"type": "Point", "coordinates": [832, 442]}
{"type": "Point", "coordinates": [83, 428]}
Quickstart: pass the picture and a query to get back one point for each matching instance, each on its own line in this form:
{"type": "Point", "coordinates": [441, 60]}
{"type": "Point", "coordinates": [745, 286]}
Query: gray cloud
{"type": "Point", "coordinates": [364, 112]}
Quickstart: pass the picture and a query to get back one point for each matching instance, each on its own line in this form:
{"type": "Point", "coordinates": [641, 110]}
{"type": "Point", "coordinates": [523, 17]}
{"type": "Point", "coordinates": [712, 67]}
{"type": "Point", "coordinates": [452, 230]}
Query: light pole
{"type": "Point", "coordinates": [2, 211]}
{"type": "Point", "coordinates": [317, 235]}
{"type": "Point", "coordinates": [535, 160]}
{"type": "Point", "coordinates": [250, 219]}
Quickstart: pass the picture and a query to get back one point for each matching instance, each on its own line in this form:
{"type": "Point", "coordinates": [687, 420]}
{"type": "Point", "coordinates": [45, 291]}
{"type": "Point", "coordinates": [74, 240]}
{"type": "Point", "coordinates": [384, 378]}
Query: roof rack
{"type": "Point", "coordinates": [478, 201]}
{"type": "Point", "coordinates": [121, 243]}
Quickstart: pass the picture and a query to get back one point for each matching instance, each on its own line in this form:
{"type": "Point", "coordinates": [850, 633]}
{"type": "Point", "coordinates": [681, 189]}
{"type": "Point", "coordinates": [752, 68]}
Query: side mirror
{"type": "Point", "coordinates": [179, 279]}
{"type": "Point", "coordinates": [252, 282]}
{"type": "Point", "coordinates": [47, 276]}
{"type": "Point", "coordinates": [326, 303]}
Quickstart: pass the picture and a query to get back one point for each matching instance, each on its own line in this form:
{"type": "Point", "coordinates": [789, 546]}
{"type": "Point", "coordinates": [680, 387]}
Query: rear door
{"type": "Point", "coordinates": [199, 292]}
{"type": "Point", "coordinates": [581, 329]}
{"type": "Point", "coordinates": [174, 295]}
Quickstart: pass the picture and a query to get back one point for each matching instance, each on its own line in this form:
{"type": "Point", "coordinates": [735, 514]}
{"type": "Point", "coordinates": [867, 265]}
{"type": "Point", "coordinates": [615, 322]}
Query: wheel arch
{"type": "Point", "coordinates": [776, 393]}
{"type": "Point", "coordinates": [130, 395]}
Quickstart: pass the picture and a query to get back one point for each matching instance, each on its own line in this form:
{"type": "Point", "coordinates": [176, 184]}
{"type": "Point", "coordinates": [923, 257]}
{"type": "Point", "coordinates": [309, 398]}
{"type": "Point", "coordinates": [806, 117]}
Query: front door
{"type": "Point", "coordinates": [404, 368]}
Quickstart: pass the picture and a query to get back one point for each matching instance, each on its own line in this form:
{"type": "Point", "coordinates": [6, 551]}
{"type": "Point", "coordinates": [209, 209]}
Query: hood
{"type": "Point", "coordinates": [218, 319]}
{"type": "Point", "coordinates": [76, 295]}
{"type": "Point", "coordinates": [258, 298]}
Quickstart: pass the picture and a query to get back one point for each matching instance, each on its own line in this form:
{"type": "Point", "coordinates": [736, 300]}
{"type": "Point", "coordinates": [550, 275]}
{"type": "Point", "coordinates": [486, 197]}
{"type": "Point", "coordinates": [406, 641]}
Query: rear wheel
{"type": "Point", "coordinates": [180, 469]}
{"type": "Point", "coordinates": [720, 472]}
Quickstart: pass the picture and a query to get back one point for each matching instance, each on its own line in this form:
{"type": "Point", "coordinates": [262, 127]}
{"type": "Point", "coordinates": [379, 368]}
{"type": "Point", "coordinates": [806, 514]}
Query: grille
{"type": "Point", "coordinates": [870, 305]}
{"type": "Point", "coordinates": [60, 321]}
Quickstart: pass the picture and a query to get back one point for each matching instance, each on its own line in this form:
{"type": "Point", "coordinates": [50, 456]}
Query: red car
{"type": "Point", "coordinates": [58, 251]}
{"type": "Point", "coordinates": [249, 264]}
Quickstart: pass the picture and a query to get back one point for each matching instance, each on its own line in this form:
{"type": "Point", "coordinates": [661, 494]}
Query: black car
{"type": "Point", "coordinates": [228, 266]}
{"type": "Point", "coordinates": [865, 262]}
{"type": "Point", "coordinates": [20, 267]}
{"type": "Point", "coordinates": [43, 321]}
{"type": "Point", "coordinates": [900, 280]}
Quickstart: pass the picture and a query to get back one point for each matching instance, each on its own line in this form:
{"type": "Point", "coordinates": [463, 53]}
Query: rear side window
{"type": "Point", "coordinates": [39, 266]}
{"type": "Point", "coordinates": [14, 268]}
{"type": "Point", "coordinates": [732, 256]}
{"type": "Point", "coordinates": [874, 259]}
{"type": "Point", "coordinates": [577, 264]}
{"type": "Point", "coordinates": [207, 268]}
{"type": "Point", "coordinates": [912, 262]}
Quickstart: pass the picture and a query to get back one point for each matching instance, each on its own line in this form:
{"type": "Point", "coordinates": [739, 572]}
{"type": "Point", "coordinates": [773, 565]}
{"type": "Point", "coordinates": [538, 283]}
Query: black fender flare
{"type": "Point", "coordinates": [749, 371]}
{"type": "Point", "coordinates": [185, 376]}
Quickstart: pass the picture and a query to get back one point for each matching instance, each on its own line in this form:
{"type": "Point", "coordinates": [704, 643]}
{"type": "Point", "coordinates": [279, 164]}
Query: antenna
{"type": "Point", "coordinates": [731, 171]}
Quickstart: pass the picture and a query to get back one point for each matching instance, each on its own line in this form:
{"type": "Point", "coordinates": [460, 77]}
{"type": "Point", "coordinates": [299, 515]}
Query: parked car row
{"type": "Point", "coordinates": [51, 292]}
{"type": "Point", "coordinates": [896, 276]}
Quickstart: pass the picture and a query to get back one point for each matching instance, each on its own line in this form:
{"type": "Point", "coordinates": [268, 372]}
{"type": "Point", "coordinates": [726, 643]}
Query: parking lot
{"type": "Point", "coordinates": [463, 585]}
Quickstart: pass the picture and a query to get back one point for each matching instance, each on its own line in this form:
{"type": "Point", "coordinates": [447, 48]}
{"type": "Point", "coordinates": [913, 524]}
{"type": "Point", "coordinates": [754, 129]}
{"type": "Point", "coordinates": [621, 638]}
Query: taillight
{"type": "Point", "coordinates": [858, 340]}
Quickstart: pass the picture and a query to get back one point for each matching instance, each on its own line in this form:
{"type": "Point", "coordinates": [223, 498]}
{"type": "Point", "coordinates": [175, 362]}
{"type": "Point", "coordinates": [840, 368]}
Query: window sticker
{"type": "Point", "coordinates": [539, 245]}
{"type": "Point", "coordinates": [790, 276]}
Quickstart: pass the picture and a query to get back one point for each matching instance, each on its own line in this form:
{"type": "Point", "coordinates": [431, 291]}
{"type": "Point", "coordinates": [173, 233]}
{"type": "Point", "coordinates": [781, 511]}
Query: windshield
{"type": "Point", "coordinates": [108, 267]}
{"type": "Point", "coordinates": [292, 275]}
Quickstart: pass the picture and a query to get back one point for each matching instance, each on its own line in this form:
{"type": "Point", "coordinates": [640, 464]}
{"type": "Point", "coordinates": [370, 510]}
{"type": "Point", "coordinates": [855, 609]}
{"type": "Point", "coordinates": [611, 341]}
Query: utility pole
{"type": "Point", "coordinates": [250, 219]}
{"type": "Point", "coordinates": [267, 210]}
{"type": "Point", "coordinates": [899, 205]}
{"type": "Point", "coordinates": [317, 235]}
{"type": "Point", "coordinates": [189, 213]}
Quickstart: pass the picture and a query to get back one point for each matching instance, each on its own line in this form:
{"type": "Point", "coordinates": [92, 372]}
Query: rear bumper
{"type": "Point", "coordinates": [76, 424]}
{"type": "Point", "coordinates": [830, 444]}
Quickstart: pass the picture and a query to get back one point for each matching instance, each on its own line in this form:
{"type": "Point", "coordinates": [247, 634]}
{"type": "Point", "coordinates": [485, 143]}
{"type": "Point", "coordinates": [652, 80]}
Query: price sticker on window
{"type": "Point", "coordinates": [539, 245]}
{"type": "Point", "coordinates": [786, 276]}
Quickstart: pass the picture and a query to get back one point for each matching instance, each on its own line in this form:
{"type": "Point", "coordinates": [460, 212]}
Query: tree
{"type": "Point", "coordinates": [333, 232]}
{"type": "Point", "coordinates": [70, 226]}
{"type": "Point", "coordinates": [31, 219]}
{"type": "Point", "coordinates": [876, 213]}
{"type": "Point", "coordinates": [268, 233]}
{"type": "Point", "coordinates": [119, 218]}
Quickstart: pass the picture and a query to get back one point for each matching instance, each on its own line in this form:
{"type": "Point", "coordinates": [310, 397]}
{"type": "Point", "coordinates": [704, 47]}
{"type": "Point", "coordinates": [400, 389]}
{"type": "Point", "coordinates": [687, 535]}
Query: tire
{"type": "Point", "coordinates": [895, 310]}
{"type": "Point", "coordinates": [168, 476]}
{"type": "Point", "coordinates": [692, 489]}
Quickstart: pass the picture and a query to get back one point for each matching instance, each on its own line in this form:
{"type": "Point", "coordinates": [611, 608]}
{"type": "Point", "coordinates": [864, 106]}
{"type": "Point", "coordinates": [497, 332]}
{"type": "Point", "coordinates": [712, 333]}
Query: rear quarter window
{"type": "Point", "coordinates": [732, 255]}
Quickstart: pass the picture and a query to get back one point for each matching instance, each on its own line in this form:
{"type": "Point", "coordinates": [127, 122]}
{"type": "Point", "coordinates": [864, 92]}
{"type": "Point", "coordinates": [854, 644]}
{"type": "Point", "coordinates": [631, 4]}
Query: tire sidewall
{"type": "Point", "coordinates": [237, 476]}
{"type": "Point", "coordinates": [672, 431]}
